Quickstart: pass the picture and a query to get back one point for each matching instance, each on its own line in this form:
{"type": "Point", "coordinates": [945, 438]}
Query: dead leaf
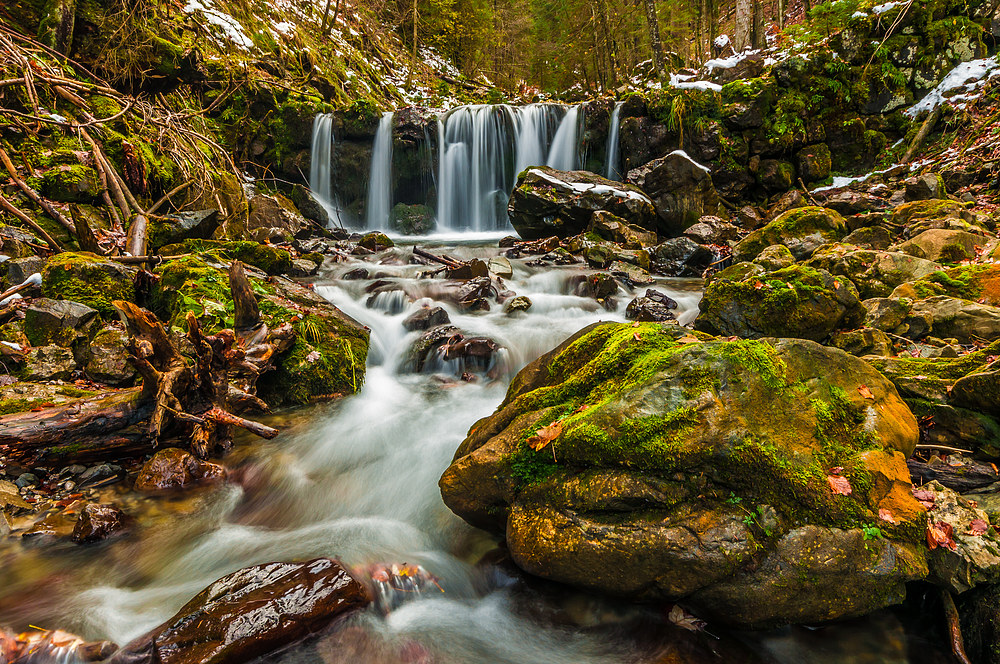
{"type": "Point", "coordinates": [688, 339]}
{"type": "Point", "coordinates": [924, 497]}
{"type": "Point", "coordinates": [940, 534]}
{"type": "Point", "coordinates": [685, 620]}
{"type": "Point", "coordinates": [887, 516]}
{"type": "Point", "coordinates": [839, 484]}
{"type": "Point", "coordinates": [865, 392]}
{"type": "Point", "coordinates": [581, 409]}
{"type": "Point", "coordinates": [637, 337]}
{"type": "Point", "coordinates": [9, 495]}
{"type": "Point", "coordinates": [545, 435]}
{"type": "Point", "coordinates": [978, 527]}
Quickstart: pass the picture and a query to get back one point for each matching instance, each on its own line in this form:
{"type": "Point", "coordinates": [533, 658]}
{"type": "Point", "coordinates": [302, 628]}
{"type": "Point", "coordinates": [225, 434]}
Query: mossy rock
{"type": "Point", "coordinates": [376, 241]}
{"type": "Point", "coordinates": [910, 213]}
{"type": "Point", "coordinates": [698, 470]}
{"type": "Point", "coordinates": [802, 230]}
{"type": "Point", "coordinates": [88, 279]}
{"type": "Point", "coordinates": [979, 283]}
{"type": "Point", "coordinates": [71, 183]}
{"type": "Point", "coordinates": [873, 273]}
{"type": "Point", "coordinates": [796, 301]}
{"type": "Point", "coordinates": [272, 260]}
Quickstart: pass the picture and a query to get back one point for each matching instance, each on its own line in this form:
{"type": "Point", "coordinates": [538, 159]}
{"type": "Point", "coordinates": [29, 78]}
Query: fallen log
{"type": "Point", "coordinates": [958, 473]}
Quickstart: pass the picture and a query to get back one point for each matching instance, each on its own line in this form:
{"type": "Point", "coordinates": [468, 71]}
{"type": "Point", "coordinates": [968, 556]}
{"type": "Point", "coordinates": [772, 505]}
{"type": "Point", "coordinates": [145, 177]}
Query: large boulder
{"type": "Point", "coordinates": [88, 279]}
{"type": "Point", "coordinates": [979, 283]}
{"type": "Point", "coordinates": [681, 190]}
{"type": "Point", "coordinates": [944, 245]}
{"type": "Point", "coordinates": [796, 301]}
{"type": "Point", "coordinates": [874, 273]}
{"type": "Point", "coordinates": [949, 317]}
{"type": "Point", "coordinates": [548, 202]}
{"type": "Point", "coordinates": [59, 322]}
{"type": "Point", "coordinates": [49, 363]}
{"type": "Point", "coordinates": [802, 230]}
{"type": "Point", "coordinates": [108, 360]}
{"type": "Point", "coordinates": [174, 228]}
{"type": "Point", "coordinates": [275, 217]}
{"type": "Point", "coordinates": [251, 613]}
{"type": "Point", "coordinates": [761, 482]}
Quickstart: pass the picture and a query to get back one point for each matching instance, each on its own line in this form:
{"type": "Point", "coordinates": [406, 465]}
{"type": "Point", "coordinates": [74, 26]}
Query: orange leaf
{"type": "Point", "coordinates": [978, 527]}
{"type": "Point", "coordinates": [940, 534]}
{"type": "Point", "coordinates": [886, 516]}
{"type": "Point", "coordinates": [839, 484]}
{"type": "Point", "coordinates": [865, 392]}
{"type": "Point", "coordinates": [637, 337]}
{"type": "Point", "coordinates": [545, 435]}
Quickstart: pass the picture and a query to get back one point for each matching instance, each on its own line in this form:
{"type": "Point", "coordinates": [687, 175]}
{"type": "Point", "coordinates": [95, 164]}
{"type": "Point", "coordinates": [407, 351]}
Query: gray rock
{"type": "Point", "coordinates": [925, 187]}
{"type": "Point", "coordinates": [682, 257]}
{"type": "Point", "coordinates": [976, 556]}
{"type": "Point", "coordinates": [108, 360]}
{"type": "Point", "coordinates": [426, 317]}
{"type": "Point", "coordinates": [49, 363]}
{"type": "Point", "coordinates": [309, 207]}
{"type": "Point", "coordinates": [19, 269]}
{"type": "Point", "coordinates": [60, 322]}
{"type": "Point", "coordinates": [681, 190]}
{"type": "Point", "coordinates": [302, 268]}
{"type": "Point", "coordinates": [516, 304]}
{"type": "Point", "coordinates": [180, 226]}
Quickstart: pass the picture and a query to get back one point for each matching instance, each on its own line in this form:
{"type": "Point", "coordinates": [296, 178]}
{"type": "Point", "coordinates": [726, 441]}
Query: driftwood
{"type": "Point", "coordinates": [449, 263]}
{"type": "Point", "coordinates": [954, 623]}
{"type": "Point", "coordinates": [964, 476]}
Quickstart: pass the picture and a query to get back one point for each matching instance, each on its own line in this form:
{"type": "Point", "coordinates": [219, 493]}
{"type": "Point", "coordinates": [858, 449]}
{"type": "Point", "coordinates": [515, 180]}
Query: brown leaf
{"type": "Point", "coordinates": [865, 392]}
{"type": "Point", "coordinates": [839, 484]}
{"type": "Point", "coordinates": [688, 339]}
{"type": "Point", "coordinates": [545, 435]}
{"type": "Point", "coordinates": [940, 534]}
{"type": "Point", "coordinates": [924, 497]}
{"type": "Point", "coordinates": [887, 516]}
{"type": "Point", "coordinates": [685, 620]}
{"type": "Point", "coordinates": [978, 527]}
{"type": "Point", "coordinates": [581, 409]}
{"type": "Point", "coordinates": [637, 337]}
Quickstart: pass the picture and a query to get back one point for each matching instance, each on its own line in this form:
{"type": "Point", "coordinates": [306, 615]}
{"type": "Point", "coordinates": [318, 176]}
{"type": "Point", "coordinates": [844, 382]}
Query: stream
{"type": "Point", "coordinates": [357, 480]}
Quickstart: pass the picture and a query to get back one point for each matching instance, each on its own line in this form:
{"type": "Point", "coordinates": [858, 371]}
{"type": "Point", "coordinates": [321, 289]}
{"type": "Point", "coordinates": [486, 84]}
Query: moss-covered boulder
{"type": "Point", "coordinates": [796, 301]}
{"type": "Point", "coordinates": [943, 245]}
{"type": "Point", "coordinates": [802, 230]}
{"type": "Point", "coordinates": [979, 283]}
{"type": "Point", "coordinates": [548, 202]}
{"type": "Point", "coordinates": [330, 349]}
{"type": "Point", "coordinates": [412, 219]}
{"type": "Point", "coordinates": [930, 210]}
{"type": "Point", "coordinates": [88, 279]}
{"type": "Point", "coordinates": [265, 257]}
{"type": "Point", "coordinates": [746, 478]}
{"type": "Point", "coordinates": [874, 273]}
{"type": "Point", "coordinates": [71, 183]}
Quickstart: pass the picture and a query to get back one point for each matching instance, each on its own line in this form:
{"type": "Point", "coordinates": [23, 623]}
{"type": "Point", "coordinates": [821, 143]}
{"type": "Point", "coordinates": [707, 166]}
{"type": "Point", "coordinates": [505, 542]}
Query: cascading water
{"type": "Point", "coordinates": [564, 154]}
{"type": "Point", "coordinates": [379, 203]}
{"type": "Point", "coordinates": [319, 167]}
{"type": "Point", "coordinates": [612, 165]}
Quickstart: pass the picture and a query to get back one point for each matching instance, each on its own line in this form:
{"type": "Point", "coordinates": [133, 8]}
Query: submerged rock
{"type": "Point", "coordinates": [426, 317]}
{"type": "Point", "coordinates": [172, 468]}
{"type": "Point", "coordinates": [98, 522]}
{"type": "Point", "coordinates": [251, 613]}
{"type": "Point", "coordinates": [738, 477]}
{"type": "Point", "coordinates": [548, 202]}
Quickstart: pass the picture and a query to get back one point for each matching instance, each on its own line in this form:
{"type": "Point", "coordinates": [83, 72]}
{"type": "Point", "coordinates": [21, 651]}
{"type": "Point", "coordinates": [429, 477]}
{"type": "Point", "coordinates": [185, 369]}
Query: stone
{"type": "Point", "coordinates": [412, 219]}
{"type": "Point", "coordinates": [976, 556]}
{"type": "Point", "coordinates": [308, 206]}
{"type": "Point", "coordinates": [814, 162]}
{"type": "Point", "coordinates": [682, 257]}
{"type": "Point", "coordinates": [17, 242]}
{"type": "Point", "coordinates": [617, 230]}
{"type": "Point", "coordinates": [848, 202]}
{"type": "Point", "coordinates": [775, 257]}
{"type": "Point", "coordinates": [180, 226]}
{"type": "Point", "coordinates": [776, 174]}
{"type": "Point", "coordinates": [277, 217]}
{"type": "Point", "coordinates": [699, 473]}
{"type": "Point", "coordinates": [952, 318]}
{"type": "Point", "coordinates": [863, 341]}
{"type": "Point", "coordinates": [108, 359]}
{"type": "Point", "coordinates": [71, 184]}
{"type": "Point", "coordinates": [886, 314]}
{"type": "Point", "coordinates": [98, 522]}
{"type": "Point", "coordinates": [60, 322]}
{"type": "Point", "coordinates": [49, 363]}
{"type": "Point", "coordinates": [925, 187]}
{"type": "Point", "coordinates": [796, 301]}
{"type": "Point", "coordinates": [802, 230]}
{"type": "Point", "coordinates": [19, 269]}
{"type": "Point", "coordinates": [547, 203]}
{"type": "Point", "coordinates": [930, 210]}
{"type": "Point", "coordinates": [88, 279]}
{"type": "Point", "coordinates": [426, 317]}
{"type": "Point", "coordinates": [250, 614]}
{"type": "Point", "coordinates": [172, 468]}
{"type": "Point", "coordinates": [98, 474]}
{"type": "Point", "coordinates": [516, 304]}
{"type": "Point", "coordinates": [872, 237]}
{"type": "Point", "coordinates": [712, 230]}
{"type": "Point", "coordinates": [469, 270]}
{"type": "Point", "coordinates": [646, 309]}
{"type": "Point", "coordinates": [680, 188]}
{"type": "Point", "coordinates": [302, 268]}
{"type": "Point", "coordinates": [376, 241]}
{"type": "Point", "coordinates": [979, 390]}
{"type": "Point", "coordinates": [25, 480]}
{"type": "Point", "coordinates": [873, 273]}
{"type": "Point", "coordinates": [501, 267]}
{"type": "Point", "coordinates": [946, 246]}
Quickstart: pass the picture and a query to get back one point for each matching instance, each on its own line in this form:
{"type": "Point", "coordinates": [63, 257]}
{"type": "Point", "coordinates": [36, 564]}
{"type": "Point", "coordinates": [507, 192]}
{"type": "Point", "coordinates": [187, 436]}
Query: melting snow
{"type": "Point", "coordinates": [721, 41]}
{"type": "Point", "coordinates": [230, 26]}
{"type": "Point", "coordinates": [584, 187]}
{"type": "Point", "coordinates": [968, 75]}
{"type": "Point", "coordinates": [725, 63]}
{"type": "Point", "coordinates": [681, 153]}
{"type": "Point", "coordinates": [676, 82]}
{"type": "Point", "coordinates": [881, 9]}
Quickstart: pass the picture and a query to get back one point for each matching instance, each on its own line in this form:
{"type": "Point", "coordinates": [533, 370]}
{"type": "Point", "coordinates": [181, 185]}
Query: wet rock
{"type": "Point", "coordinates": [617, 230]}
{"type": "Point", "coordinates": [172, 468]}
{"type": "Point", "coordinates": [712, 230]}
{"type": "Point", "coordinates": [680, 188]}
{"type": "Point", "coordinates": [971, 553]}
{"type": "Point", "coordinates": [60, 322]}
{"type": "Point", "coordinates": [49, 363]}
{"type": "Point", "coordinates": [474, 293]}
{"type": "Point", "coordinates": [275, 218]}
{"type": "Point", "coordinates": [376, 241]}
{"type": "Point", "coordinates": [848, 202]}
{"type": "Point", "coordinates": [631, 275]}
{"type": "Point", "coordinates": [426, 344]}
{"type": "Point", "coordinates": [469, 270]}
{"type": "Point", "coordinates": [802, 230]}
{"type": "Point", "coordinates": [501, 267]}
{"type": "Point", "coordinates": [308, 206]}
{"type": "Point", "coordinates": [873, 237]}
{"type": "Point", "coordinates": [180, 226]}
{"type": "Point", "coordinates": [743, 528]}
{"type": "Point", "coordinates": [302, 268]}
{"type": "Point", "coordinates": [548, 202]}
{"type": "Point", "coordinates": [646, 308]}
{"type": "Point", "coordinates": [98, 522]}
{"type": "Point", "coordinates": [682, 257]}
{"type": "Point", "coordinates": [516, 304]}
{"type": "Point", "coordinates": [250, 614]}
{"type": "Point", "coordinates": [814, 162]}
{"type": "Point", "coordinates": [796, 301]}
{"type": "Point", "coordinates": [874, 273]}
{"type": "Point", "coordinates": [44, 646]}
{"type": "Point", "coordinates": [925, 187]}
{"type": "Point", "coordinates": [426, 317]}
{"type": "Point", "coordinates": [355, 274]}
{"type": "Point", "coordinates": [947, 246]}
{"type": "Point", "coordinates": [19, 269]}
{"type": "Point", "coordinates": [108, 360]}
{"type": "Point", "coordinates": [26, 479]}
{"type": "Point", "coordinates": [600, 286]}
{"type": "Point", "coordinates": [412, 219]}
{"type": "Point", "coordinates": [100, 475]}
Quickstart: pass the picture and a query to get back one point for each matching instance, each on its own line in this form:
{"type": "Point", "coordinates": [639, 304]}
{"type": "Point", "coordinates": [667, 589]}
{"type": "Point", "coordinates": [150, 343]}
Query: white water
{"type": "Point", "coordinates": [379, 203]}
{"type": "Point", "coordinates": [358, 481]}
{"type": "Point", "coordinates": [319, 167]}
{"type": "Point", "coordinates": [612, 169]}
{"type": "Point", "coordinates": [564, 155]}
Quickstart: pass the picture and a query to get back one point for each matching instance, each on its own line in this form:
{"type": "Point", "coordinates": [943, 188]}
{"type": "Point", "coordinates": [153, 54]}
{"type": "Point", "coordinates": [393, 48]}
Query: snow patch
{"type": "Point", "coordinates": [881, 9]}
{"type": "Point", "coordinates": [584, 187]}
{"type": "Point", "coordinates": [681, 153]}
{"type": "Point", "coordinates": [967, 75]}
{"type": "Point", "coordinates": [230, 27]}
{"type": "Point", "coordinates": [675, 81]}
{"type": "Point", "coordinates": [722, 41]}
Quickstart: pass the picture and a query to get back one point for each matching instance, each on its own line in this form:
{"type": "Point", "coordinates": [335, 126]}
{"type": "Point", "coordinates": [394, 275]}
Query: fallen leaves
{"type": "Point", "coordinates": [865, 392]}
{"type": "Point", "coordinates": [838, 483]}
{"type": "Point", "coordinates": [887, 516]}
{"type": "Point", "coordinates": [941, 534]}
{"type": "Point", "coordinates": [978, 527]}
{"type": "Point", "coordinates": [685, 620]}
{"type": "Point", "coordinates": [924, 497]}
{"type": "Point", "coordinates": [9, 495]}
{"type": "Point", "coordinates": [545, 435]}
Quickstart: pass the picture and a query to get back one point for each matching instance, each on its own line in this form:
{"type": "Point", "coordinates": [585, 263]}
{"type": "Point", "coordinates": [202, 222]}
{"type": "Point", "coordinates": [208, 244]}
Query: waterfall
{"type": "Point", "coordinates": [379, 203]}
{"type": "Point", "coordinates": [535, 125]}
{"type": "Point", "coordinates": [319, 167]}
{"type": "Point", "coordinates": [565, 152]}
{"type": "Point", "coordinates": [611, 169]}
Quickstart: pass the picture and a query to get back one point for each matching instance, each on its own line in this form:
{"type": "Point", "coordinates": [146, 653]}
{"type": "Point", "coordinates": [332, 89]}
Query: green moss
{"type": "Point", "coordinates": [70, 183]}
{"type": "Point", "coordinates": [18, 405]}
{"type": "Point", "coordinates": [88, 279]}
{"type": "Point", "coordinates": [758, 357]}
{"type": "Point", "coordinates": [262, 256]}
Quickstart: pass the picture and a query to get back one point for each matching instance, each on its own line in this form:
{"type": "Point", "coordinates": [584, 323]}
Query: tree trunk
{"type": "Point", "coordinates": [654, 39]}
{"type": "Point", "coordinates": [56, 27]}
{"type": "Point", "coordinates": [744, 25]}
{"type": "Point", "coordinates": [758, 41]}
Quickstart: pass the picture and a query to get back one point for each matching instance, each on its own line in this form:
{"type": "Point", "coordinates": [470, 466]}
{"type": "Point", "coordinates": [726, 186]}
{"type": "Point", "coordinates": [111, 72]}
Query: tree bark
{"type": "Point", "coordinates": [744, 25]}
{"type": "Point", "coordinates": [759, 40]}
{"type": "Point", "coordinates": [654, 39]}
{"type": "Point", "coordinates": [247, 315]}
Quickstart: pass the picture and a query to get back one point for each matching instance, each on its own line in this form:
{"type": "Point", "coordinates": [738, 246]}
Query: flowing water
{"type": "Point", "coordinates": [379, 203]}
{"type": "Point", "coordinates": [612, 163]}
{"type": "Point", "coordinates": [320, 177]}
